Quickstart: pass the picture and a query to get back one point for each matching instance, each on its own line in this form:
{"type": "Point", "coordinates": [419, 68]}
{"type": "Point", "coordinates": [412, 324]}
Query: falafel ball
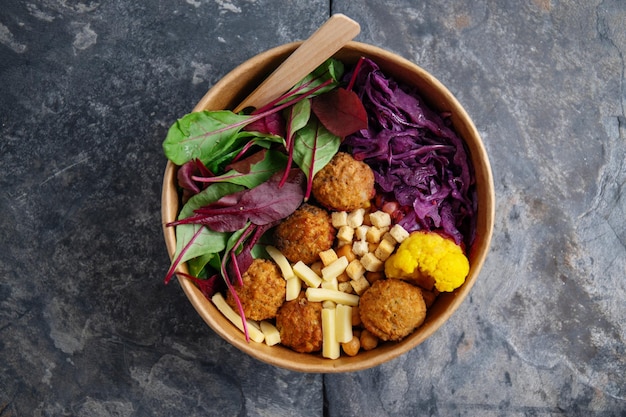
{"type": "Point", "coordinates": [263, 290]}
{"type": "Point", "coordinates": [299, 322]}
{"type": "Point", "coordinates": [304, 234]}
{"type": "Point", "coordinates": [344, 184]}
{"type": "Point", "coordinates": [391, 309]}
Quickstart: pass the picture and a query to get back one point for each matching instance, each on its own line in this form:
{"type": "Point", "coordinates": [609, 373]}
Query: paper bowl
{"type": "Point", "coordinates": [235, 86]}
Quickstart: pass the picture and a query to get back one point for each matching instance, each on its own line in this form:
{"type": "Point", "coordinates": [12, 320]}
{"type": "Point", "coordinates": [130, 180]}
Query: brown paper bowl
{"type": "Point", "coordinates": [236, 85]}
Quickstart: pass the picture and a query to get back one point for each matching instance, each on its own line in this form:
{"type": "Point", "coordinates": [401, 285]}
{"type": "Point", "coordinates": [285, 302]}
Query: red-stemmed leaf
{"type": "Point", "coordinates": [208, 286]}
{"type": "Point", "coordinates": [340, 111]}
{"type": "Point", "coordinates": [273, 124]}
{"type": "Point", "coordinates": [260, 205]}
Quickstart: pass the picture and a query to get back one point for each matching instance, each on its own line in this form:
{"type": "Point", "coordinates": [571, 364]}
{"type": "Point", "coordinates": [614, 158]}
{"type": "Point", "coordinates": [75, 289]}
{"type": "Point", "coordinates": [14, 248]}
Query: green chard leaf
{"type": "Point", "coordinates": [197, 266]}
{"type": "Point", "coordinates": [314, 146]}
{"type": "Point", "coordinates": [251, 171]}
{"type": "Point", "coordinates": [194, 240]}
{"type": "Point", "coordinates": [197, 135]}
{"type": "Point", "coordinates": [298, 116]}
{"type": "Point", "coordinates": [329, 73]}
{"type": "Point", "coordinates": [218, 140]}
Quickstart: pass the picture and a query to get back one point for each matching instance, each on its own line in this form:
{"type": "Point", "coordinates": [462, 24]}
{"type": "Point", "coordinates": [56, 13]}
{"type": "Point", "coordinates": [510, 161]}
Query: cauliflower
{"type": "Point", "coordinates": [428, 254]}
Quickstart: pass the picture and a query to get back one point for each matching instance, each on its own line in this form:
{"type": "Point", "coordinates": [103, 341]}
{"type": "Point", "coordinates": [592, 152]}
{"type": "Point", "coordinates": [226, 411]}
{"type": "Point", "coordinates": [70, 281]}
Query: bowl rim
{"type": "Point", "coordinates": [282, 356]}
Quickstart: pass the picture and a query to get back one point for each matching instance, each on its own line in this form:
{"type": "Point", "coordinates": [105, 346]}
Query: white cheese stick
{"type": "Point", "coordinates": [334, 269]}
{"type": "Point", "coordinates": [220, 303]}
{"type": "Point", "coordinates": [307, 275]}
{"type": "Point", "coordinates": [293, 288]}
{"type": "Point", "coordinates": [281, 261]}
{"type": "Point", "coordinates": [343, 322]}
{"type": "Point", "coordinates": [271, 333]}
{"type": "Point", "coordinates": [332, 284]}
{"type": "Point", "coordinates": [330, 345]}
{"type": "Point", "coordinates": [323, 294]}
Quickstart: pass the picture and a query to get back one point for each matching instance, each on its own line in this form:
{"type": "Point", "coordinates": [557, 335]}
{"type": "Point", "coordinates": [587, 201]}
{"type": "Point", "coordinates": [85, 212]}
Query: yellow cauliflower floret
{"type": "Point", "coordinates": [429, 254]}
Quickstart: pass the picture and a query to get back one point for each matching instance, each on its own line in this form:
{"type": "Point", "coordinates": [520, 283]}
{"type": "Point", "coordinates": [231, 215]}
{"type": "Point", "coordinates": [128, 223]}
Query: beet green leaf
{"type": "Point", "coordinates": [194, 240]}
{"type": "Point", "coordinates": [252, 171]}
{"type": "Point", "coordinates": [197, 134]}
{"type": "Point", "coordinates": [260, 205]}
{"type": "Point", "coordinates": [314, 146]}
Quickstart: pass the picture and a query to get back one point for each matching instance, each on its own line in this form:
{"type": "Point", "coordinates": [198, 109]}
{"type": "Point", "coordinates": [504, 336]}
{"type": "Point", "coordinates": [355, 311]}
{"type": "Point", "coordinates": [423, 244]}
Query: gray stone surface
{"type": "Point", "coordinates": [87, 92]}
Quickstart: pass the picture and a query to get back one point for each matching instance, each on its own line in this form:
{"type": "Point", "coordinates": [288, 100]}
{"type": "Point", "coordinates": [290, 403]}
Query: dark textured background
{"type": "Point", "coordinates": [87, 92]}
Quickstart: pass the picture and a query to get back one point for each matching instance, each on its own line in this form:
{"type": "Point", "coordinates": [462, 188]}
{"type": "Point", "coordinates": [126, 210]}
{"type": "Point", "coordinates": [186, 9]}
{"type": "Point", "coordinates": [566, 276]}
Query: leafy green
{"type": "Point", "coordinates": [194, 240]}
{"type": "Point", "coordinates": [324, 78]}
{"type": "Point", "coordinates": [211, 136]}
{"type": "Point", "coordinates": [261, 205]}
{"type": "Point", "coordinates": [331, 69]}
{"type": "Point", "coordinates": [251, 171]}
{"type": "Point", "coordinates": [340, 111]}
{"type": "Point", "coordinates": [314, 146]}
{"type": "Point", "coordinates": [218, 228]}
{"type": "Point", "coordinates": [200, 134]}
{"type": "Point", "coordinates": [297, 116]}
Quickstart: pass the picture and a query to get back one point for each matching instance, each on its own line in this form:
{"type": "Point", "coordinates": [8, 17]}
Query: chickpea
{"type": "Point", "coordinates": [374, 276]}
{"type": "Point", "coordinates": [317, 267]}
{"type": "Point", "coordinates": [343, 277]}
{"type": "Point", "coordinates": [368, 340]}
{"type": "Point", "coordinates": [352, 347]}
{"type": "Point", "coordinates": [346, 250]}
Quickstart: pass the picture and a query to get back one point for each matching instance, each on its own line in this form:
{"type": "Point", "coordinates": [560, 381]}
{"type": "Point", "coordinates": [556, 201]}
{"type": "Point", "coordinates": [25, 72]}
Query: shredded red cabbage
{"type": "Point", "coordinates": [419, 162]}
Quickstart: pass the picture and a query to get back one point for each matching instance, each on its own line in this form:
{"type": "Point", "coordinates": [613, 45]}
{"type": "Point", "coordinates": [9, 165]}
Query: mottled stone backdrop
{"type": "Point", "coordinates": [87, 92]}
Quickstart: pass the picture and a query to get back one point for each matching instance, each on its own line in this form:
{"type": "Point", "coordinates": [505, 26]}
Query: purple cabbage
{"type": "Point", "coordinates": [419, 162]}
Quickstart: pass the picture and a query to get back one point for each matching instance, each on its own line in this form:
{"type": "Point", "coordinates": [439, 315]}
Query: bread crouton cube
{"type": "Point", "coordinates": [361, 232]}
{"type": "Point", "coordinates": [328, 256]}
{"type": "Point", "coordinates": [341, 243]}
{"type": "Point", "coordinates": [388, 237]}
{"type": "Point", "coordinates": [339, 218]}
{"type": "Point", "coordinates": [360, 285]}
{"type": "Point", "coordinates": [345, 233]}
{"type": "Point", "coordinates": [346, 287]}
{"type": "Point", "coordinates": [360, 247]}
{"type": "Point", "coordinates": [375, 234]}
{"type": "Point", "coordinates": [355, 218]}
{"type": "Point", "coordinates": [399, 233]}
{"type": "Point", "coordinates": [384, 250]}
{"type": "Point", "coordinates": [355, 269]}
{"type": "Point", "coordinates": [380, 219]}
{"type": "Point", "coordinates": [371, 263]}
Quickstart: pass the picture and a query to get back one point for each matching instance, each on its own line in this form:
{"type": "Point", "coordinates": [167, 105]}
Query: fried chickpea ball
{"type": "Point", "coordinates": [299, 322]}
{"type": "Point", "coordinates": [263, 290]}
{"type": "Point", "coordinates": [344, 184]}
{"type": "Point", "coordinates": [391, 309]}
{"type": "Point", "coordinates": [304, 234]}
